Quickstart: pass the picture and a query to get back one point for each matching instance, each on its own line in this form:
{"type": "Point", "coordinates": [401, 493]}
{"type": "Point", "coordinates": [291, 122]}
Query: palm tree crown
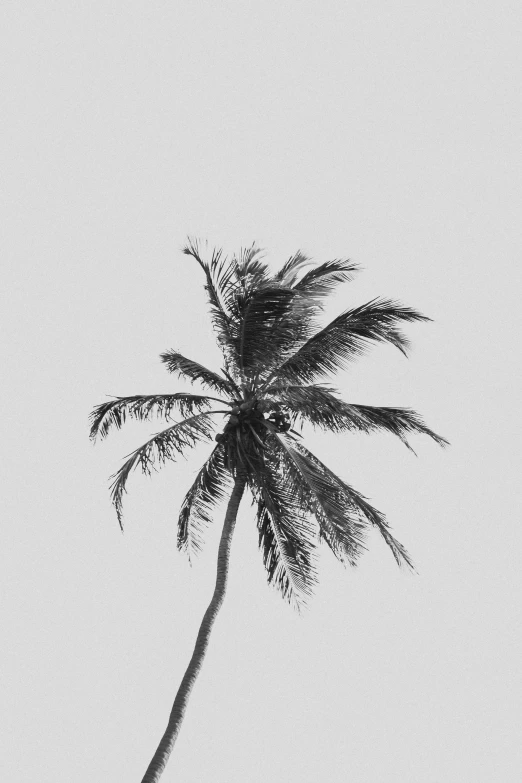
{"type": "Point", "coordinates": [275, 354]}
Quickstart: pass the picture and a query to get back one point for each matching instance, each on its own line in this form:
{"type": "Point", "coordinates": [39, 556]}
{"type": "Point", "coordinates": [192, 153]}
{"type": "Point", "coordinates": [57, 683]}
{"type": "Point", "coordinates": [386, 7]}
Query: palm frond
{"type": "Point", "coordinates": [280, 557]}
{"type": "Point", "coordinates": [267, 329]}
{"type": "Point", "coordinates": [209, 488]}
{"type": "Point", "coordinates": [220, 276]}
{"type": "Point", "coordinates": [194, 371]}
{"type": "Point", "coordinates": [315, 492]}
{"type": "Point", "coordinates": [311, 289]}
{"type": "Point", "coordinates": [366, 511]}
{"type": "Point", "coordinates": [237, 281]}
{"type": "Point", "coordinates": [251, 272]}
{"type": "Point", "coordinates": [142, 407]}
{"type": "Point", "coordinates": [399, 421]}
{"type": "Point", "coordinates": [192, 249]}
{"type": "Point", "coordinates": [319, 405]}
{"type": "Point", "coordinates": [287, 545]}
{"type": "Point", "coordinates": [288, 273]}
{"type": "Point", "coordinates": [219, 271]}
{"type": "Point", "coordinates": [223, 272]}
{"type": "Point", "coordinates": [165, 445]}
{"type": "Point", "coordinates": [321, 281]}
{"type": "Point", "coordinates": [400, 341]}
{"type": "Point", "coordinates": [236, 390]}
{"type": "Point", "coordinates": [346, 338]}
{"type": "Point", "coordinates": [398, 550]}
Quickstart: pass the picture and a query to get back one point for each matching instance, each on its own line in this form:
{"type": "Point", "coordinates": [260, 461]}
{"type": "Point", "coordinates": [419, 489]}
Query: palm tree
{"type": "Point", "coordinates": [273, 355]}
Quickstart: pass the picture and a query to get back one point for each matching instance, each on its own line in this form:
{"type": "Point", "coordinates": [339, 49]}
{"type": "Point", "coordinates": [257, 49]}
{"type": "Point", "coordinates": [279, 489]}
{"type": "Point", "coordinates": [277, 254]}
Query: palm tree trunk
{"type": "Point", "coordinates": [160, 758]}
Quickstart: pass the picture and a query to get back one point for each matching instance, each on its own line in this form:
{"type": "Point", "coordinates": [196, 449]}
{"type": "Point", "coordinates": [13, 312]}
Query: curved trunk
{"type": "Point", "coordinates": [160, 758]}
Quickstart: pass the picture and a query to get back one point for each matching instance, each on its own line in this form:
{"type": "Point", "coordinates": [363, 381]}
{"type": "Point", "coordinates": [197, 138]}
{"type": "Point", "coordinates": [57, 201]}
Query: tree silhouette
{"type": "Point", "coordinates": [274, 355]}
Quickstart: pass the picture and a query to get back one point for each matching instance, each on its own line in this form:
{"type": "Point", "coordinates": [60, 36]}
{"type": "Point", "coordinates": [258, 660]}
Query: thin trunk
{"type": "Point", "coordinates": [160, 758]}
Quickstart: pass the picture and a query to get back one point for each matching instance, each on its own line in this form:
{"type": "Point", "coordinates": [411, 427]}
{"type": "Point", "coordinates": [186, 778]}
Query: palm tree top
{"type": "Point", "coordinates": [275, 357]}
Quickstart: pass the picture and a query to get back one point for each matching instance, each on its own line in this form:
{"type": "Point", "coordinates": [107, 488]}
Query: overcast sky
{"type": "Point", "coordinates": [384, 132]}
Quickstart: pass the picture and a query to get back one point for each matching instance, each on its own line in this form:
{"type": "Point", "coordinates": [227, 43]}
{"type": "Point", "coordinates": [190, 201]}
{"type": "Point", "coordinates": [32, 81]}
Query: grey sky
{"type": "Point", "coordinates": [386, 132]}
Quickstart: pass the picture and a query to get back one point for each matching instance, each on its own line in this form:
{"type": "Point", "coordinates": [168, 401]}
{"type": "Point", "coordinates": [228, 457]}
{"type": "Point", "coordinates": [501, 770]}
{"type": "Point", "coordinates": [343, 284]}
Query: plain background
{"type": "Point", "coordinates": [384, 132]}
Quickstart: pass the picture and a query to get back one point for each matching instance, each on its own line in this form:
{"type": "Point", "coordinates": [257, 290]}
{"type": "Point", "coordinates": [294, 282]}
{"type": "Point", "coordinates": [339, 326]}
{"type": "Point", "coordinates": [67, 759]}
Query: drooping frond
{"type": "Point", "coordinates": [186, 368]}
{"type": "Point", "coordinates": [315, 491]}
{"type": "Point", "coordinates": [359, 503]}
{"type": "Point", "coordinates": [319, 405]}
{"type": "Point", "coordinates": [399, 421]}
{"type": "Point", "coordinates": [399, 340]}
{"type": "Point", "coordinates": [210, 487]}
{"type": "Point", "coordinates": [398, 550]}
{"type": "Point", "coordinates": [285, 539]}
{"type": "Point", "coordinates": [165, 445]}
{"type": "Point", "coordinates": [320, 282]}
{"type": "Point", "coordinates": [346, 338]}
{"type": "Point", "coordinates": [142, 407]}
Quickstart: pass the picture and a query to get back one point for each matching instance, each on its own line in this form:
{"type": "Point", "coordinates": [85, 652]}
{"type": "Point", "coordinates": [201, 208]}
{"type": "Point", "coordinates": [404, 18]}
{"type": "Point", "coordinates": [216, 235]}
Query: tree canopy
{"type": "Point", "coordinates": [276, 356]}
